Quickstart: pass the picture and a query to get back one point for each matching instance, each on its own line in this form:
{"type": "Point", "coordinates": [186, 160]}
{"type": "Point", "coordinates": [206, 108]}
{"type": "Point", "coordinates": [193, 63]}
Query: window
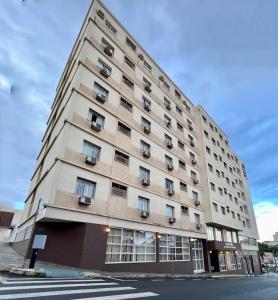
{"type": "Point", "coordinates": [121, 157]}
{"type": "Point", "coordinates": [204, 119]}
{"type": "Point", "coordinates": [85, 188]}
{"type": "Point", "coordinates": [146, 123]}
{"type": "Point", "coordinates": [164, 83]}
{"type": "Point", "coordinates": [144, 173]}
{"type": "Point", "coordinates": [220, 191]}
{"type": "Point", "coordinates": [227, 180]}
{"type": "Point", "coordinates": [218, 173]}
{"type": "Point", "coordinates": [220, 158]}
{"type": "Point", "coordinates": [184, 210]}
{"type": "Point", "coordinates": [178, 110]}
{"type": "Point", "coordinates": [223, 151]}
{"type": "Point", "coordinates": [174, 248]}
{"type": "Point", "coordinates": [179, 126]}
{"type": "Point", "coordinates": [218, 235]}
{"type": "Point", "coordinates": [167, 103]}
{"type": "Point", "coordinates": [238, 217]}
{"type": "Point", "coordinates": [91, 150]}
{"type": "Point", "coordinates": [182, 165]}
{"type": "Point", "coordinates": [96, 118]}
{"type": "Point", "coordinates": [225, 191]}
{"type": "Point", "coordinates": [213, 141]}
{"type": "Point", "coordinates": [147, 103]}
{"type": "Point", "coordinates": [170, 211]}
{"type": "Point", "coordinates": [233, 214]}
{"type": "Point", "coordinates": [191, 140]}
{"type": "Point", "coordinates": [168, 139]}
{"type": "Point", "coordinates": [221, 138]}
{"type": "Point", "coordinates": [234, 237]}
{"type": "Point", "coordinates": [169, 184]}
{"type": "Point", "coordinates": [210, 167]}
{"type": "Point", "coordinates": [222, 173]}
{"type": "Point", "coordinates": [145, 147]}
{"type": "Point", "coordinates": [230, 197]}
{"type": "Point", "coordinates": [130, 44]}
{"type": "Point", "coordinates": [241, 208]}
{"type": "Point", "coordinates": [124, 103]}
{"type": "Point", "coordinates": [215, 207]}
{"type": "Point", "coordinates": [143, 203]}
{"type": "Point", "coordinates": [218, 144]}
{"type": "Point", "coordinates": [106, 45]}
{"type": "Point", "coordinates": [183, 186]}
{"type": "Point", "coordinates": [192, 156]}
{"type": "Point", "coordinates": [193, 175]}
{"type": "Point", "coordinates": [181, 145]}
{"type": "Point", "coordinates": [177, 94]}
{"type": "Point", "coordinates": [244, 223]}
{"type": "Point", "coordinates": [225, 165]}
{"type": "Point", "coordinates": [124, 129]}
{"type": "Point", "coordinates": [195, 196]}
{"type": "Point", "coordinates": [236, 201]}
{"type": "Point", "coordinates": [147, 83]}
{"type": "Point", "coordinates": [147, 66]}
{"type": "Point", "coordinates": [208, 150]}
{"type": "Point", "coordinates": [211, 126]}
{"type": "Point", "coordinates": [100, 90]}
{"type": "Point", "coordinates": [167, 120]}
{"type": "Point", "coordinates": [130, 63]}
{"type": "Point", "coordinates": [223, 210]}
{"type": "Point", "coordinates": [168, 160]}
{"type": "Point", "coordinates": [119, 190]}
{"type": "Point", "coordinates": [206, 134]}
{"type": "Point", "coordinates": [100, 14]}
{"type": "Point", "coordinates": [210, 233]}
{"type": "Point", "coordinates": [128, 82]}
{"type": "Point", "coordinates": [197, 218]}
{"type": "Point", "coordinates": [111, 27]}
{"type": "Point", "coordinates": [125, 245]}
{"type": "Point", "coordinates": [212, 186]}
{"type": "Point", "coordinates": [197, 254]}
{"type": "Point", "coordinates": [215, 156]}
{"type": "Point", "coordinates": [103, 66]}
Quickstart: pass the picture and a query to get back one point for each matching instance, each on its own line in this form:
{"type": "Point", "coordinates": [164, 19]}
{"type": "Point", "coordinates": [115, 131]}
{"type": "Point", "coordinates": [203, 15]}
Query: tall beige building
{"type": "Point", "coordinates": [121, 181]}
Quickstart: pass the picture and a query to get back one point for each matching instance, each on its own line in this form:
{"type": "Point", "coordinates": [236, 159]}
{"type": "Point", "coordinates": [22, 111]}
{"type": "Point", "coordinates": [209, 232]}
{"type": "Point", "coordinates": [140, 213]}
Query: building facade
{"type": "Point", "coordinates": [120, 182]}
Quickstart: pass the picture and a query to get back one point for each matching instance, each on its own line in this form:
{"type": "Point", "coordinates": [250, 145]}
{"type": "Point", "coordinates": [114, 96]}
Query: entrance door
{"type": "Point", "coordinates": [214, 262]}
{"type": "Point", "coordinates": [251, 264]}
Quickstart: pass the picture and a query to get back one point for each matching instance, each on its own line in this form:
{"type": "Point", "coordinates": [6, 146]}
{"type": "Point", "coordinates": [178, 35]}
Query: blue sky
{"type": "Point", "coordinates": [222, 54]}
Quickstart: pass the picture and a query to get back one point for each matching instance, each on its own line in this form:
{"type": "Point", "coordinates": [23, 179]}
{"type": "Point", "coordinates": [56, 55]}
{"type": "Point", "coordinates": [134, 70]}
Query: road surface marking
{"type": "Point", "coordinates": [51, 286]}
{"type": "Point", "coordinates": [122, 296]}
{"type": "Point", "coordinates": [123, 279]}
{"type": "Point", "coordinates": [65, 292]}
{"type": "Point", "coordinates": [179, 279]}
{"type": "Point", "coordinates": [53, 281]}
{"type": "Point", "coordinates": [158, 279]}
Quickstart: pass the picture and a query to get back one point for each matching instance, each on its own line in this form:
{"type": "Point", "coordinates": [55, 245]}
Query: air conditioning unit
{"type": "Point", "coordinates": [168, 124]}
{"type": "Point", "coordinates": [90, 160]}
{"type": "Point", "coordinates": [95, 126]}
{"type": "Point", "coordinates": [170, 167]}
{"type": "Point", "coordinates": [147, 129]}
{"type": "Point", "coordinates": [147, 106]}
{"type": "Point", "coordinates": [199, 226]}
{"type": "Point", "coordinates": [192, 143]}
{"type": "Point", "coordinates": [169, 145]}
{"type": "Point", "coordinates": [148, 88]}
{"type": "Point", "coordinates": [168, 106]}
{"type": "Point", "coordinates": [109, 50]}
{"type": "Point", "coordinates": [195, 180]}
{"type": "Point", "coordinates": [84, 200]}
{"type": "Point", "coordinates": [190, 127]}
{"type": "Point", "coordinates": [197, 202]}
{"type": "Point", "coordinates": [146, 154]}
{"type": "Point", "coordinates": [144, 213]}
{"type": "Point", "coordinates": [193, 161]}
{"type": "Point", "coordinates": [172, 220]}
{"type": "Point", "coordinates": [100, 97]}
{"type": "Point", "coordinates": [171, 192]}
{"type": "Point", "coordinates": [145, 182]}
{"type": "Point", "coordinates": [104, 72]}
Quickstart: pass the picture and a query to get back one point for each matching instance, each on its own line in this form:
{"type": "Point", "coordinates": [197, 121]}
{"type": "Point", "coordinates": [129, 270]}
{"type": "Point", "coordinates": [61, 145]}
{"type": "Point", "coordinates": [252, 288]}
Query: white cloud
{"type": "Point", "coordinates": [267, 219]}
{"type": "Point", "coordinates": [5, 84]}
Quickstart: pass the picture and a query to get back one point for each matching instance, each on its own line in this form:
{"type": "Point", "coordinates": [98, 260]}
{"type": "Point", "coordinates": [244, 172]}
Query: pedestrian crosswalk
{"type": "Point", "coordinates": [75, 289]}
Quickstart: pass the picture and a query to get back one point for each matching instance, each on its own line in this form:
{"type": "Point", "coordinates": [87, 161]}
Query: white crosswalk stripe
{"type": "Point", "coordinates": [122, 296]}
{"type": "Point", "coordinates": [15, 288]}
{"type": "Point", "coordinates": [48, 281]}
{"type": "Point", "coordinates": [51, 286]}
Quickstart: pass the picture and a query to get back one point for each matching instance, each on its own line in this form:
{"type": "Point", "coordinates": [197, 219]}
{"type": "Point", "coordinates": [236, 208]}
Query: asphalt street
{"type": "Point", "coordinates": [256, 288]}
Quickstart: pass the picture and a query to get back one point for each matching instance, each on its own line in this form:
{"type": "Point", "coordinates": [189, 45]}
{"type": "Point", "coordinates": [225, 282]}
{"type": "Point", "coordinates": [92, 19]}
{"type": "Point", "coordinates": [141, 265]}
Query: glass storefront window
{"type": "Point", "coordinates": [197, 255]}
{"type": "Point", "coordinates": [125, 245]}
{"type": "Point", "coordinates": [172, 248]}
{"type": "Point", "coordinates": [218, 234]}
{"type": "Point", "coordinates": [222, 262]}
{"type": "Point", "coordinates": [210, 233]}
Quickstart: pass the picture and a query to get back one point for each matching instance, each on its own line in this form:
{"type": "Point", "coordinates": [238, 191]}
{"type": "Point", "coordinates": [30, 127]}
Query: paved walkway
{"type": "Point", "coordinates": [9, 257]}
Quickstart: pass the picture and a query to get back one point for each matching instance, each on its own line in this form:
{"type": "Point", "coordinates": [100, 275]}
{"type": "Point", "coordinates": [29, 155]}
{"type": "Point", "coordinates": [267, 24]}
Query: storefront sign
{"type": "Point", "coordinates": [229, 246]}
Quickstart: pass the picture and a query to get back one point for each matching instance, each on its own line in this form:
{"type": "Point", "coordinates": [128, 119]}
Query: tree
{"type": "Point", "coordinates": [262, 249]}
